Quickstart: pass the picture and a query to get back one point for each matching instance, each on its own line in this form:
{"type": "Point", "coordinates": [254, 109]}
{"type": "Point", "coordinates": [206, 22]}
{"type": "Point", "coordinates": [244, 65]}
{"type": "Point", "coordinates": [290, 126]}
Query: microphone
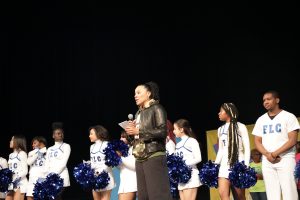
{"type": "Point", "coordinates": [130, 117]}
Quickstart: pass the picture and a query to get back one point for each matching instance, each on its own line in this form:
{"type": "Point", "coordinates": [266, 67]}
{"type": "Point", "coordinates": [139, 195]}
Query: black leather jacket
{"type": "Point", "coordinates": [153, 127]}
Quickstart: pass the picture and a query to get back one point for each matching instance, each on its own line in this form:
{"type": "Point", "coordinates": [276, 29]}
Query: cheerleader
{"type": "Point", "coordinates": [170, 140]}
{"type": "Point", "coordinates": [189, 148]}
{"type": "Point", "coordinates": [3, 165]}
{"type": "Point", "coordinates": [99, 135]}
{"type": "Point", "coordinates": [128, 183]}
{"type": "Point", "coordinates": [36, 161]}
{"type": "Point", "coordinates": [17, 163]}
{"type": "Point", "coordinates": [233, 147]}
{"type": "Point", "coordinates": [58, 155]}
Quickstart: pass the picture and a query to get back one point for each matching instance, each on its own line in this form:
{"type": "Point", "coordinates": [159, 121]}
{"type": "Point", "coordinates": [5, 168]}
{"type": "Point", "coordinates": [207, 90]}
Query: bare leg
{"type": "Point", "coordinates": [239, 193]}
{"type": "Point", "coordinates": [189, 194]}
{"type": "Point", "coordinates": [103, 195]}
{"type": "Point", "coordinates": [181, 195]}
{"type": "Point", "coordinates": [224, 188]}
{"type": "Point", "coordinates": [96, 195]}
{"type": "Point", "coordinates": [18, 195]}
{"type": "Point", "coordinates": [127, 196]}
{"type": "Point", "coordinates": [9, 195]}
{"type": "Point", "coordinates": [29, 198]}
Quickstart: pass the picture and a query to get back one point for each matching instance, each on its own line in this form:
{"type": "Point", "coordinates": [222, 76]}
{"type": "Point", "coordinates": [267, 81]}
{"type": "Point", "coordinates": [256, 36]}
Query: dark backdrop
{"type": "Point", "coordinates": [80, 64]}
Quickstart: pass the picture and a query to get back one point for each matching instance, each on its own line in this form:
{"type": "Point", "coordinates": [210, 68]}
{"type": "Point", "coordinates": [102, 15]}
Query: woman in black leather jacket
{"type": "Point", "coordinates": [150, 131]}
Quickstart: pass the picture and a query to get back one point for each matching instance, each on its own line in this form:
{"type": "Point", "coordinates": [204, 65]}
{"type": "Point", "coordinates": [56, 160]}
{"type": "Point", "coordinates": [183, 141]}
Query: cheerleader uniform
{"type": "Point", "coordinates": [127, 174]}
{"type": "Point", "coordinates": [17, 163]}
{"type": "Point", "coordinates": [3, 165]}
{"type": "Point", "coordinates": [222, 155]}
{"type": "Point", "coordinates": [36, 161]}
{"type": "Point", "coordinates": [56, 161]}
{"type": "Point", "coordinates": [98, 162]}
{"type": "Point", "coordinates": [189, 148]}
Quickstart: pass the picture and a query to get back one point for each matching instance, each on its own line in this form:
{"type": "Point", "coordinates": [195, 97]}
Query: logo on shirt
{"type": "Point", "coordinates": [271, 128]}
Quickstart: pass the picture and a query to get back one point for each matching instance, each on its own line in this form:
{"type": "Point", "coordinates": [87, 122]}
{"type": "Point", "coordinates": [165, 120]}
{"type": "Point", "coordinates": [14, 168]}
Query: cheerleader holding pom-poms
{"type": "Point", "coordinates": [234, 147]}
{"type": "Point", "coordinates": [99, 135]}
{"type": "Point", "coordinates": [18, 165]}
{"type": "Point", "coordinates": [128, 183]}
{"type": "Point", "coordinates": [189, 149]}
{"type": "Point", "coordinates": [36, 161]}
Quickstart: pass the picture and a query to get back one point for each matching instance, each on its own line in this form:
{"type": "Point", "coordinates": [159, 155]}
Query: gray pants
{"type": "Point", "coordinates": [152, 179]}
{"type": "Point", "coordinates": [258, 195]}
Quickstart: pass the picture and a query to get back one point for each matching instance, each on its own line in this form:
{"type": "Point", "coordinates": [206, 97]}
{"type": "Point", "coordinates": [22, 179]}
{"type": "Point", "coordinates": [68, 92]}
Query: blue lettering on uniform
{"type": "Point", "coordinates": [278, 128]}
{"type": "Point", "coordinates": [55, 153]}
{"type": "Point", "coordinates": [270, 129]}
{"type": "Point", "coordinates": [224, 144]}
{"type": "Point", "coordinates": [265, 129]}
{"type": "Point", "coordinates": [179, 153]}
{"type": "Point", "coordinates": [96, 158]}
{"type": "Point", "coordinates": [15, 165]}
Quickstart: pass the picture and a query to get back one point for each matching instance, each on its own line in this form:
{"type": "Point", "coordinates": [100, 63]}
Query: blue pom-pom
{"type": "Point", "coordinates": [209, 174]}
{"type": "Point", "coordinates": [5, 179]}
{"type": "Point", "coordinates": [84, 175]}
{"type": "Point", "coordinates": [297, 170]}
{"type": "Point", "coordinates": [179, 172]}
{"type": "Point", "coordinates": [174, 190]}
{"type": "Point", "coordinates": [101, 181]}
{"type": "Point", "coordinates": [49, 188]}
{"type": "Point", "coordinates": [242, 176]}
{"type": "Point", "coordinates": [112, 159]}
{"type": "Point", "coordinates": [39, 191]}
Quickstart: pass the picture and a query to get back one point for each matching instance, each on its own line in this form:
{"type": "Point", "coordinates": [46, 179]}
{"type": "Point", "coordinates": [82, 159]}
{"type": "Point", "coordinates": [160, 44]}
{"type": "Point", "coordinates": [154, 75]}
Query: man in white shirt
{"type": "Point", "coordinates": [276, 135]}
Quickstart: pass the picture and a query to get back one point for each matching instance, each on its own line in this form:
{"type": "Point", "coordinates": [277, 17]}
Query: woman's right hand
{"type": "Point", "coordinates": [131, 128]}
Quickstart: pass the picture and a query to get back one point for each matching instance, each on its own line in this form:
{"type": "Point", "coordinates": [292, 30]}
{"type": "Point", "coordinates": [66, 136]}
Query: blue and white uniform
{"type": "Point", "coordinates": [98, 162]}
{"type": "Point", "coordinates": [279, 177]}
{"type": "Point", "coordinates": [56, 161]}
{"type": "Point", "coordinates": [36, 160]}
{"type": "Point", "coordinates": [189, 148]}
{"type": "Point", "coordinates": [244, 148]}
{"type": "Point", "coordinates": [3, 165]}
{"type": "Point", "coordinates": [128, 181]}
{"type": "Point", "coordinates": [17, 163]}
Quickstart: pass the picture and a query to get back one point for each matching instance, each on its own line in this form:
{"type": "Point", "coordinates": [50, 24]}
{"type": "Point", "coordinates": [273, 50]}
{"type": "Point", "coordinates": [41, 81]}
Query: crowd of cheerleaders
{"type": "Point", "coordinates": [96, 174]}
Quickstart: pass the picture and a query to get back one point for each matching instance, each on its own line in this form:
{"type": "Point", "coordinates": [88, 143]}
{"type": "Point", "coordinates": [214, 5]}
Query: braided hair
{"type": "Point", "coordinates": [233, 147]}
